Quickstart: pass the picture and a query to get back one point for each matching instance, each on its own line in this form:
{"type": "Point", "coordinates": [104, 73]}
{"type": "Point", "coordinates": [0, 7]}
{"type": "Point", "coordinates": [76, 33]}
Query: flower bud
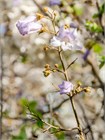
{"type": "Point", "coordinates": [87, 89]}
{"type": "Point", "coordinates": [46, 73]}
{"type": "Point", "coordinates": [39, 16]}
{"type": "Point", "coordinates": [47, 66]}
{"type": "Point", "coordinates": [45, 9]}
{"type": "Point", "coordinates": [56, 65]}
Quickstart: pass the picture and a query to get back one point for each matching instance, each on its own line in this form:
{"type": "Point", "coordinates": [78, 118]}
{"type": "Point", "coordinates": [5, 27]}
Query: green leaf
{"type": "Point", "coordinates": [97, 48]}
{"type": "Point", "coordinates": [78, 10]}
{"type": "Point", "coordinates": [24, 102]}
{"type": "Point", "coordinates": [60, 135]}
{"type": "Point", "coordinates": [32, 106]}
{"type": "Point", "coordinates": [93, 27]}
{"type": "Point", "coordinates": [100, 12]}
{"type": "Point", "coordinates": [102, 9]}
{"type": "Point", "coordinates": [23, 58]}
{"type": "Point", "coordinates": [95, 15]}
{"type": "Point", "coordinates": [39, 123]}
{"type": "Point", "coordinates": [102, 62]}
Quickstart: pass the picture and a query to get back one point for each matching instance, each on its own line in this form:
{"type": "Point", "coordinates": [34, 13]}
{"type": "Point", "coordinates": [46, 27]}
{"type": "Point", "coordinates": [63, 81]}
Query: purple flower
{"type": "Point", "coordinates": [65, 87]}
{"type": "Point", "coordinates": [67, 38]}
{"type": "Point", "coordinates": [86, 54]}
{"type": "Point", "coordinates": [28, 25]}
{"type": "Point", "coordinates": [54, 2]}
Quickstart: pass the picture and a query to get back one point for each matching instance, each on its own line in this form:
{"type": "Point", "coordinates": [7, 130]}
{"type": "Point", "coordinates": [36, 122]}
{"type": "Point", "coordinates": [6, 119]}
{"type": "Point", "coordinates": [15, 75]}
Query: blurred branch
{"type": "Point", "coordinates": [100, 17]}
{"type": "Point", "coordinates": [40, 8]}
{"type": "Point", "coordinates": [86, 120]}
{"type": "Point", "coordinates": [1, 89]}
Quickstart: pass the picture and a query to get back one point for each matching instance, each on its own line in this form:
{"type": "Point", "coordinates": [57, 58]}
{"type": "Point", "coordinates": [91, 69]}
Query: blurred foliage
{"type": "Point", "coordinates": [93, 27]}
{"type": "Point", "coordinates": [100, 12]}
{"type": "Point", "coordinates": [22, 135]}
{"type": "Point", "coordinates": [97, 48]}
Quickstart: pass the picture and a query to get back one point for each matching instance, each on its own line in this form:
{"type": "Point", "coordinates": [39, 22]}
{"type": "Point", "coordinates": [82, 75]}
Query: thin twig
{"type": "Point", "coordinates": [71, 64]}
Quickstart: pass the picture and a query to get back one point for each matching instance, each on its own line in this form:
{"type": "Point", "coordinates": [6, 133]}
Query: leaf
{"type": "Point", "coordinates": [100, 12]}
{"type": "Point", "coordinates": [78, 10]}
{"type": "Point", "coordinates": [32, 106]}
{"type": "Point", "coordinates": [60, 135]}
{"type": "Point", "coordinates": [102, 62]}
{"type": "Point", "coordinates": [24, 102]}
{"type": "Point", "coordinates": [23, 58]}
{"type": "Point", "coordinates": [97, 48]}
{"type": "Point", "coordinates": [39, 123]}
{"type": "Point", "coordinates": [93, 27]}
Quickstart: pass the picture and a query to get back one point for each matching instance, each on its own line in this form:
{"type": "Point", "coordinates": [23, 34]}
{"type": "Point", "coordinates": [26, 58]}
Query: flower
{"type": "Point", "coordinates": [67, 38]}
{"type": "Point", "coordinates": [65, 87]}
{"type": "Point", "coordinates": [54, 2]}
{"type": "Point", "coordinates": [28, 25]}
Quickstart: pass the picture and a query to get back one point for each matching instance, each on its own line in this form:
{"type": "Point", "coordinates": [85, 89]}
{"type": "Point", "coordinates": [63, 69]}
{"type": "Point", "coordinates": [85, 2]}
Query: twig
{"type": "Point", "coordinates": [71, 99]}
{"type": "Point", "coordinates": [86, 119]}
{"type": "Point", "coordinates": [71, 64]}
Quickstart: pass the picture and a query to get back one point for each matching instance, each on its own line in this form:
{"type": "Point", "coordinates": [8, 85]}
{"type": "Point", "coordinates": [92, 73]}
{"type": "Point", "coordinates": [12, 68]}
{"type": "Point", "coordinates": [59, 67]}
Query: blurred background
{"type": "Point", "coordinates": [22, 64]}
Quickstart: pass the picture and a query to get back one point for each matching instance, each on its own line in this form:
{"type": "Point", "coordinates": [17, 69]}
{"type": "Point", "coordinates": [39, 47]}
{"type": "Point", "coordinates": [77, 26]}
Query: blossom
{"type": "Point", "coordinates": [54, 2]}
{"type": "Point", "coordinates": [65, 87]}
{"type": "Point", "coordinates": [28, 25]}
{"type": "Point", "coordinates": [67, 38]}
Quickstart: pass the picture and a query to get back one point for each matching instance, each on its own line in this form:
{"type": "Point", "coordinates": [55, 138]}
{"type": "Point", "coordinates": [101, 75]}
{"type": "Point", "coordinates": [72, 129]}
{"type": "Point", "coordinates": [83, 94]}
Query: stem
{"type": "Point", "coordinates": [71, 99]}
{"type": "Point", "coordinates": [77, 119]}
{"type": "Point", "coordinates": [61, 59]}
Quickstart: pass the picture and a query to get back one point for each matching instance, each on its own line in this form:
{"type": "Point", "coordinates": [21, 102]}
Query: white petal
{"type": "Point", "coordinates": [55, 42]}
{"type": "Point", "coordinates": [66, 46]}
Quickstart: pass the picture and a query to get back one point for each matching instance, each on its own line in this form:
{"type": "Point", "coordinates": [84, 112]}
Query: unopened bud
{"type": "Point", "coordinates": [87, 89]}
{"type": "Point", "coordinates": [45, 48]}
{"type": "Point", "coordinates": [79, 84]}
{"type": "Point", "coordinates": [45, 9]}
{"type": "Point", "coordinates": [39, 16]}
{"type": "Point", "coordinates": [56, 65]}
{"type": "Point", "coordinates": [54, 70]}
{"type": "Point", "coordinates": [47, 66]}
{"type": "Point", "coordinates": [46, 73]}
{"type": "Point", "coordinates": [55, 13]}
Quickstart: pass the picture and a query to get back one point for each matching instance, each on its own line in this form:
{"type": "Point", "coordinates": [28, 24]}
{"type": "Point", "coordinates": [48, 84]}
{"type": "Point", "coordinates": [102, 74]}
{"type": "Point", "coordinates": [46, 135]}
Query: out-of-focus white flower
{"type": "Point", "coordinates": [28, 25]}
{"type": "Point", "coordinates": [67, 38]}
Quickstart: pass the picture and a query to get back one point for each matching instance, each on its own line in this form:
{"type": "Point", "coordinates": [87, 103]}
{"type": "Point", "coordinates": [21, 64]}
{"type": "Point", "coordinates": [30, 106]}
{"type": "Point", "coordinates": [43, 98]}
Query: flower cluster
{"type": "Point", "coordinates": [68, 38]}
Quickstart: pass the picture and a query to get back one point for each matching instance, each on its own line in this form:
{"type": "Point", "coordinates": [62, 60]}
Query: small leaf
{"type": "Point", "coordinates": [93, 27]}
{"type": "Point", "coordinates": [32, 106]}
{"type": "Point", "coordinates": [39, 123]}
{"type": "Point", "coordinates": [97, 48]}
{"type": "Point", "coordinates": [60, 136]}
{"type": "Point", "coordinates": [102, 62]}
